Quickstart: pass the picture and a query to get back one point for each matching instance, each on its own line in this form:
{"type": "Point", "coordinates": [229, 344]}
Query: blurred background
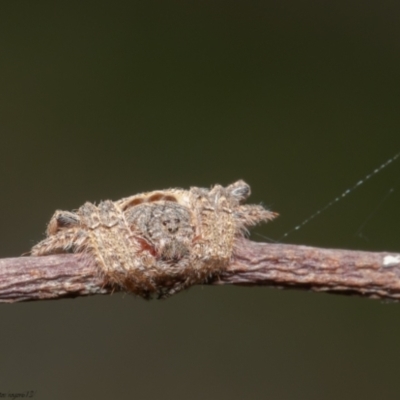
{"type": "Point", "coordinates": [100, 100]}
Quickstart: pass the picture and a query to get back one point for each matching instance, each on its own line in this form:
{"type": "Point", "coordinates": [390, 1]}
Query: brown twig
{"type": "Point", "coordinates": [368, 274]}
{"type": "Point", "coordinates": [49, 277]}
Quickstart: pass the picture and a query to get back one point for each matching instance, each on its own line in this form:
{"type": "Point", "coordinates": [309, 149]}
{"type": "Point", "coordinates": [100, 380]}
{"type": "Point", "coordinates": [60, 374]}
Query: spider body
{"type": "Point", "coordinates": [157, 243]}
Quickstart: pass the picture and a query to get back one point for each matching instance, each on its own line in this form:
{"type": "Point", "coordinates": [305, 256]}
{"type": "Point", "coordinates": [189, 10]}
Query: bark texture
{"type": "Point", "coordinates": [367, 274]}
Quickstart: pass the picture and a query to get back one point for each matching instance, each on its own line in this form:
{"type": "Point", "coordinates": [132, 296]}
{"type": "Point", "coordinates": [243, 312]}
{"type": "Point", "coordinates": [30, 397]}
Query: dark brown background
{"type": "Point", "coordinates": [101, 100]}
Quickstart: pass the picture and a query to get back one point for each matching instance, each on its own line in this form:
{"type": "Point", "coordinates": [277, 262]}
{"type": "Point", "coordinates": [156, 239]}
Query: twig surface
{"type": "Point", "coordinates": [368, 274]}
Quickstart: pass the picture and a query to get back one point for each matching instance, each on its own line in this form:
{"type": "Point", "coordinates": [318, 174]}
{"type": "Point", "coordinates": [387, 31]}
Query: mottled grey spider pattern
{"type": "Point", "coordinates": [157, 243]}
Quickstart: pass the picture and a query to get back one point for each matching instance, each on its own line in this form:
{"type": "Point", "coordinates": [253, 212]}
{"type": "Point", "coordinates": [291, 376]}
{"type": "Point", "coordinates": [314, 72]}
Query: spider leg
{"type": "Point", "coordinates": [62, 235]}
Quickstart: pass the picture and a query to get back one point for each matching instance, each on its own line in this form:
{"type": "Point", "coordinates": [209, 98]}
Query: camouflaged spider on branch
{"type": "Point", "coordinates": [157, 243]}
